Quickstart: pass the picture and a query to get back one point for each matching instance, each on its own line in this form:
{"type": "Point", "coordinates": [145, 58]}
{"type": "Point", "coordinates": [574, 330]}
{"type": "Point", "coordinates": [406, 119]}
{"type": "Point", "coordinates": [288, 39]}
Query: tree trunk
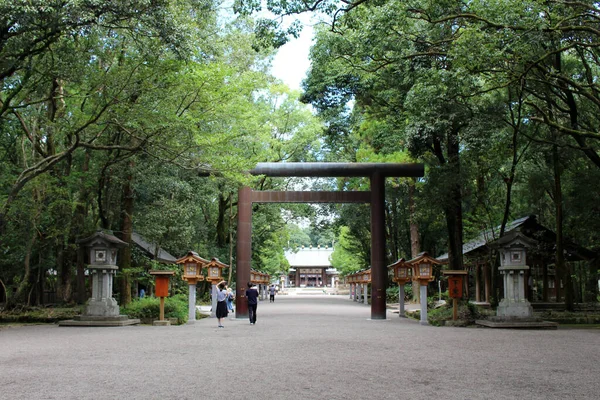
{"type": "Point", "coordinates": [64, 289]}
{"type": "Point", "coordinates": [221, 228]}
{"type": "Point", "coordinates": [22, 289]}
{"type": "Point", "coordinates": [562, 268]}
{"type": "Point", "coordinates": [231, 216]}
{"type": "Point", "coordinates": [453, 205]}
{"type": "Point", "coordinates": [126, 231]}
{"type": "Point", "coordinates": [415, 244]}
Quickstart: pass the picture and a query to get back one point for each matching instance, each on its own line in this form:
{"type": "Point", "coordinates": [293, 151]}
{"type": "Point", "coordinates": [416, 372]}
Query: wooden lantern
{"type": "Point", "coordinates": [215, 270]}
{"type": "Point", "coordinates": [192, 267]}
{"type": "Point", "coordinates": [423, 268]}
{"type": "Point", "coordinates": [402, 271]}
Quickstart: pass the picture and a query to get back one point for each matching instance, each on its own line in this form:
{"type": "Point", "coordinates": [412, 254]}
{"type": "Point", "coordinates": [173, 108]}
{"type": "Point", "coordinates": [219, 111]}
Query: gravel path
{"type": "Point", "coordinates": [302, 347]}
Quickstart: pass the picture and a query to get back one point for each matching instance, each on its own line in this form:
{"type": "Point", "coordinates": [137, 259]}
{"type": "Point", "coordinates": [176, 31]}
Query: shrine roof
{"type": "Point", "coordinates": [309, 257]}
{"type": "Point", "coordinates": [150, 249]}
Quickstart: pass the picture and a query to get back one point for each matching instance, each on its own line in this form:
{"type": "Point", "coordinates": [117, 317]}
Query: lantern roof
{"type": "Point", "coordinates": [100, 236]}
{"type": "Point", "coordinates": [216, 263]}
{"type": "Point", "coordinates": [422, 258]}
{"type": "Point", "coordinates": [401, 262]}
{"type": "Point", "coordinates": [192, 256]}
{"type": "Point", "coordinates": [514, 239]}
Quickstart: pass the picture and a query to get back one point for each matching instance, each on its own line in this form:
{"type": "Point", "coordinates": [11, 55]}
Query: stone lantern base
{"type": "Point", "coordinates": [86, 320]}
{"type": "Point", "coordinates": [511, 309]}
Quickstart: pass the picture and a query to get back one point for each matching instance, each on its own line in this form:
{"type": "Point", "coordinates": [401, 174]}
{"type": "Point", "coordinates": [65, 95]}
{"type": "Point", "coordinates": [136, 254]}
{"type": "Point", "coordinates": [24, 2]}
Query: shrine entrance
{"type": "Point", "coordinates": [376, 172]}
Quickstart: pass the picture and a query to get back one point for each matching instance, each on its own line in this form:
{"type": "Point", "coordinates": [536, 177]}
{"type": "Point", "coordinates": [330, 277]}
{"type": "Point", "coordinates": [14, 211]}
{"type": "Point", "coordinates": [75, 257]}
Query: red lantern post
{"type": "Point", "coordinates": [162, 290]}
{"type": "Point", "coordinates": [455, 288]}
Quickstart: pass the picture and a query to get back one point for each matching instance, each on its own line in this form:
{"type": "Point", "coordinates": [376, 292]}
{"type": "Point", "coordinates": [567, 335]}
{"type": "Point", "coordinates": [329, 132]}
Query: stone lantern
{"type": "Point", "coordinates": [192, 273]}
{"type": "Point", "coordinates": [215, 275]}
{"type": "Point", "coordinates": [402, 275]}
{"type": "Point", "coordinates": [423, 273]}
{"type": "Point", "coordinates": [102, 309]}
{"type": "Point", "coordinates": [513, 255]}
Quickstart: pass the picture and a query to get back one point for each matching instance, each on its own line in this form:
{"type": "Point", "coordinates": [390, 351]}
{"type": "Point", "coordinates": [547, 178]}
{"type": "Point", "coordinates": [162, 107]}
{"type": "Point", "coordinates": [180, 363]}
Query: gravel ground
{"type": "Point", "coordinates": [302, 347]}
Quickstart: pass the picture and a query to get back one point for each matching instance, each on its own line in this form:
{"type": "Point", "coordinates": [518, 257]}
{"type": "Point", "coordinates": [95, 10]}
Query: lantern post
{"type": "Point", "coordinates": [192, 273]}
{"type": "Point", "coordinates": [161, 290]}
{"type": "Point", "coordinates": [423, 273]}
{"type": "Point", "coordinates": [455, 288]}
{"type": "Point", "coordinates": [401, 271]}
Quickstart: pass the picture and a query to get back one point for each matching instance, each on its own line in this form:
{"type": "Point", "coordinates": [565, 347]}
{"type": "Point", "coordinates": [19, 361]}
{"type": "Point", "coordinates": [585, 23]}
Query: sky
{"type": "Point", "coordinates": [291, 62]}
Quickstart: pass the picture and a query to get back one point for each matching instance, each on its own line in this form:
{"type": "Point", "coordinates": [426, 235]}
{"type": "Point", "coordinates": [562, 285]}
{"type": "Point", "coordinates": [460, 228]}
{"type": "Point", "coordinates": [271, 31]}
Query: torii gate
{"type": "Point", "coordinates": [376, 172]}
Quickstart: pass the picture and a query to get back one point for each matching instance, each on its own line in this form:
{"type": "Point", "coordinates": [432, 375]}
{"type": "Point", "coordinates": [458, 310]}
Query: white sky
{"type": "Point", "coordinates": [291, 62]}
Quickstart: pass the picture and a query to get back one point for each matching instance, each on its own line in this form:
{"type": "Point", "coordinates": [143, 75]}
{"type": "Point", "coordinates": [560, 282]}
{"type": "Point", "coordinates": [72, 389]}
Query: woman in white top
{"type": "Point", "coordinates": [221, 302]}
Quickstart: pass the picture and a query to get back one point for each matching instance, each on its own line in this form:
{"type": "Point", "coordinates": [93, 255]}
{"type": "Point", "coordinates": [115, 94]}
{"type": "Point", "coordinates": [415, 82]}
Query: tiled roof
{"type": "Point", "coordinates": [150, 248]}
{"type": "Point", "coordinates": [488, 236]}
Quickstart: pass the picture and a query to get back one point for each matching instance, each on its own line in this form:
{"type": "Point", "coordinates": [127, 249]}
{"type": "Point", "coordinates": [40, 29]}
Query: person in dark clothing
{"type": "Point", "coordinates": [252, 296]}
{"type": "Point", "coordinates": [272, 294]}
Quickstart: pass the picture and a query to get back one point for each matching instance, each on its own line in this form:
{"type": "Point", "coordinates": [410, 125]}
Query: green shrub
{"type": "Point", "coordinates": [391, 293]}
{"type": "Point", "coordinates": [149, 307]}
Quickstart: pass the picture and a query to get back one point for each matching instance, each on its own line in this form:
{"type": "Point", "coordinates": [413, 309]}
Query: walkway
{"type": "Point", "coordinates": [302, 347]}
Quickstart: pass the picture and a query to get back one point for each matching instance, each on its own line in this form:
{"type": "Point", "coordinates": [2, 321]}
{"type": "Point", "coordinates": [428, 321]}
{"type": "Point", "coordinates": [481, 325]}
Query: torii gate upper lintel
{"type": "Point", "coordinates": [376, 172]}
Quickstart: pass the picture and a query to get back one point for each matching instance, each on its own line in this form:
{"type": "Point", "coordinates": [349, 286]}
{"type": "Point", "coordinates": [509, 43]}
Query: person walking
{"type": "Point", "coordinates": [252, 296]}
{"type": "Point", "coordinates": [272, 294]}
{"type": "Point", "coordinates": [229, 300]}
{"type": "Point", "coordinates": [221, 302]}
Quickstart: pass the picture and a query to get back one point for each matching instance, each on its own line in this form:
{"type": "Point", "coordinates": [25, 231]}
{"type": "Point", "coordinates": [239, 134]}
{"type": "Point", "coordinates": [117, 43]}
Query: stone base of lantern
{"type": "Point", "coordinates": [516, 323]}
{"type": "Point", "coordinates": [102, 308]}
{"type": "Point", "coordinates": [161, 323]}
{"type": "Point", "coordinates": [91, 320]}
{"type": "Point", "coordinates": [512, 309]}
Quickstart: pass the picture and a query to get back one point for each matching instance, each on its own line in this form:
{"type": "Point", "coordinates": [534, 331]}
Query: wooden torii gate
{"type": "Point", "coordinates": [376, 172]}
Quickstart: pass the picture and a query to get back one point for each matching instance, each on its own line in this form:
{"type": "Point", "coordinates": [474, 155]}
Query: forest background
{"type": "Point", "coordinates": [110, 112]}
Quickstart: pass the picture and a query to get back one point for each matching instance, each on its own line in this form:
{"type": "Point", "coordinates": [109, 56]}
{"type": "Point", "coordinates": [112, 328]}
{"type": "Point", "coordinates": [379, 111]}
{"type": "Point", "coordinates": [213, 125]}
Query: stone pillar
{"type": "Point", "coordinates": [356, 292]}
{"type": "Point", "coordinates": [192, 304]}
{"type": "Point", "coordinates": [244, 251]}
{"type": "Point", "coordinates": [424, 304]}
{"type": "Point", "coordinates": [514, 303]}
{"type": "Point", "coordinates": [401, 312]}
{"type": "Point", "coordinates": [213, 300]}
{"type": "Point", "coordinates": [350, 290]}
{"type": "Point", "coordinates": [367, 293]}
{"type": "Point", "coordinates": [102, 304]}
{"type": "Point", "coordinates": [378, 267]}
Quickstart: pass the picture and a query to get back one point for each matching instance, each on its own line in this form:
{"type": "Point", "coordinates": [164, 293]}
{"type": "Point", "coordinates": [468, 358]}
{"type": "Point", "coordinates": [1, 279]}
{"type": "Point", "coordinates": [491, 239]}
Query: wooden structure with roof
{"type": "Point", "coordinates": [311, 267]}
{"type": "Point", "coordinates": [541, 278]}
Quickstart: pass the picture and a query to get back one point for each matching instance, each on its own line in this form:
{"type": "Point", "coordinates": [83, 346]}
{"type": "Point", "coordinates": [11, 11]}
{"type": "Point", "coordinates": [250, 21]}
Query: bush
{"type": "Point", "coordinates": [391, 293]}
{"type": "Point", "coordinates": [149, 307]}
{"type": "Point", "coordinates": [466, 312]}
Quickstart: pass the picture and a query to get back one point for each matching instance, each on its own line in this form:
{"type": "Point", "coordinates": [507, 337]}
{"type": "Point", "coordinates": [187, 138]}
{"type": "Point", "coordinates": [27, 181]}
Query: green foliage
{"type": "Point", "coordinates": [346, 256]}
{"type": "Point", "coordinates": [467, 312]}
{"type": "Point", "coordinates": [149, 307]}
{"type": "Point", "coordinates": [39, 315]}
